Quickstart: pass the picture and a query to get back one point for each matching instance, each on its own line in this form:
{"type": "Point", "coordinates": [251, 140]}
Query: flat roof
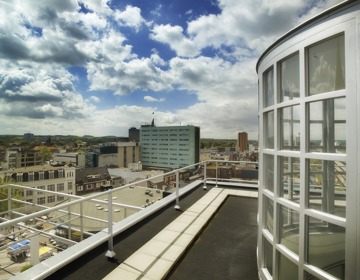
{"type": "Point", "coordinates": [35, 168]}
{"type": "Point", "coordinates": [133, 243]}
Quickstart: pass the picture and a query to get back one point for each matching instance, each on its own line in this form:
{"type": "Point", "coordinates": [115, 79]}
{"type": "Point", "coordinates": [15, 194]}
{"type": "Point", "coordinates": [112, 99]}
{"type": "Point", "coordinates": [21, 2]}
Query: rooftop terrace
{"type": "Point", "coordinates": [211, 231]}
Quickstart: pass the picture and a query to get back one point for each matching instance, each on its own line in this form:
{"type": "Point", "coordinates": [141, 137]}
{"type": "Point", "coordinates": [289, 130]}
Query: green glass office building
{"type": "Point", "coordinates": [169, 146]}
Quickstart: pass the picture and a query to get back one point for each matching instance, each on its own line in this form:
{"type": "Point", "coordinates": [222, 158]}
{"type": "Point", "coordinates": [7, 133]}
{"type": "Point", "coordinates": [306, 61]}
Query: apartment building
{"type": "Point", "coordinates": [43, 177]}
{"type": "Point", "coordinates": [93, 179]}
{"type": "Point", "coordinates": [242, 142]}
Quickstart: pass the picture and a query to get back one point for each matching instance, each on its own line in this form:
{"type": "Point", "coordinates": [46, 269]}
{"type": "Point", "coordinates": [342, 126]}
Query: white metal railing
{"type": "Point", "coordinates": [64, 216]}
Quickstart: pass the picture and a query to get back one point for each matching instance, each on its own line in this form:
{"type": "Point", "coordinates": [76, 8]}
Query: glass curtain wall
{"type": "Point", "coordinates": [303, 115]}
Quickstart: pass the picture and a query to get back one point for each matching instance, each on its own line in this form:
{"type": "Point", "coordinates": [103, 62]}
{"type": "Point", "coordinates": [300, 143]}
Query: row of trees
{"type": "Point", "coordinates": [215, 143]}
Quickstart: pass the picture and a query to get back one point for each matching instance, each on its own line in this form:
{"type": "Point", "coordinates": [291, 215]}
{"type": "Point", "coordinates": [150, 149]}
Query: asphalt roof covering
{"type": "Point", "coordinates": [94, 264]}
{"type": "Point", "coordinates": [226, 249]}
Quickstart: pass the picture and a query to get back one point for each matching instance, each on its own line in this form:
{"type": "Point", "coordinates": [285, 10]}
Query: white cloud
{"type": "Point", "coordinates": [174, 37]}
{"type": "Point", "coordinates": [49, 110]}
{"type": "Point", "coordinates": [98, 6]}
{"type": "Point", "coordinates": [250, 24]}
{"type": "Point", "coordinates": [157, 60]}
{"type": "Point", "coordinates": [130, 17]}
{"type": "Point", "coordinates": [153, 99]}
{"type": "Point", "coordinates": [40, 42]}
{"type": "Point", "coordinates": [95, 99]}
{"type": "Point", "coordinates": [125, 77]}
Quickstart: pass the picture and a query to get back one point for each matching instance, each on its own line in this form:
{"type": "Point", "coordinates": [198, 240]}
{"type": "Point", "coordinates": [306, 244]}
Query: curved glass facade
{"type": "Point", "coordinates": [308, 185]}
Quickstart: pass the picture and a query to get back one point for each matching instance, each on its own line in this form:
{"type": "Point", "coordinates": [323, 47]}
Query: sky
{"type": "Point", "coordinates": [99, 67]}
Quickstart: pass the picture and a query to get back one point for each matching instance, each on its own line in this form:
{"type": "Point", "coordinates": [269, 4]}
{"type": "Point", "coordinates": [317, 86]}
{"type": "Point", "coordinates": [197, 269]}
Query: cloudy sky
{"type": "Point", "coordinates": [99, 67]}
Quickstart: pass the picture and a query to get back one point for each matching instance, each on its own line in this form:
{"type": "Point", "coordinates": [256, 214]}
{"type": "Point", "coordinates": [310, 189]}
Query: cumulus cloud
{"type": "Point", "coordinates": [35, 93]}
{"type": "Point", "coordinates": [125, 77]}
{"type": "Point", "coordinates": [153, 99]}
{"type": "Point", "coordinates": [213, 58]}
{"type": "Point", "coordinates": [174, 37]}
{"type": "Point", "coordinates": [131, 17]}
{"type": "Point", "coordinates": [95, 99]}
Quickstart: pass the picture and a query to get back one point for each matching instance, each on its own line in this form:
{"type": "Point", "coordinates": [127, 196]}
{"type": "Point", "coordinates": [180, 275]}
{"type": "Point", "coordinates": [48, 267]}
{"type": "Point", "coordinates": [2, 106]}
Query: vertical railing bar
{"type": "Point", "coordinates": [81, 222]}
{"type": "Point", "coordinates": [216, 171]}
{"type": "Point", "coordinates": [110, 253]}
{"type": "Point", "coordinates": [205, 166]}
{"type": "Point", "coordinates": [177, 205]}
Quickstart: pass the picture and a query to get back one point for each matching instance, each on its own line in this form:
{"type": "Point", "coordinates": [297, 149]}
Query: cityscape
{"type": "Point", "coordinates": [50, 166]}
{"type": "Point", "coordinates": [182, 140]}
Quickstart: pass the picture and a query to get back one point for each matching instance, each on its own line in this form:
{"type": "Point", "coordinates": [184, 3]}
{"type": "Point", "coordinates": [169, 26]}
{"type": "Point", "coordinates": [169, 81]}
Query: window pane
{"type": "Point", "coordinates": [269, 214]}
{"type": "Point", "coordinates": [290, 128]}
{"type": "Point", "coordinates": [269, 88]}
{"type": "Point", "coordinates": [327, 66]}
{"type": "Point", "coordinates": [326, 247]}
{"type": "Point", "coordinates": [327, 186]}
{"type": "Point", "coordinates": [268, 255]}
{"type": "Point", "coordinates": [327, 126]}
{"type": "Point", "coordinates": [269, 130]}
{"type": "Point", "coordinates": [287, 269]}
{"type": "Point", "coordinates": [289, 228]}
{"type": "Point", "coordinates": [269, 172]}
{"type": "Point", "coordinates": [289, 78]}
{"type": "Point", "coordinates": [290, 178]}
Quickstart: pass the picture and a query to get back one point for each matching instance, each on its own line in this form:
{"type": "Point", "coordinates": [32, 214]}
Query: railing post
{"type": "Point", "coordinates": [177, 206]}
{"type": "Point", "coordinates": [81, 222]}
{"type": "Point", "coordinates": [110, 253]}
{"type": "Point", "coordinates": [34, 249]}
{"type": "Point", "coordinates": [216, 171]}
{"type": "Point", "coordinates": [204, 187]}
{"type": "Point", "coordinates": [9, 203]}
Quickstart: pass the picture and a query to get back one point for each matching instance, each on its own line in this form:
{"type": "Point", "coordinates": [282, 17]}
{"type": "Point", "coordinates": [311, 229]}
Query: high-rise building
{"type": "Point", "coordinates": [242, 141]}
{"type": "Point", "coordinates": [309, 191]}
{"type": "Point", "coordinates": [134, 134]}
{"type": "Point", "coordinates": [169, 146]}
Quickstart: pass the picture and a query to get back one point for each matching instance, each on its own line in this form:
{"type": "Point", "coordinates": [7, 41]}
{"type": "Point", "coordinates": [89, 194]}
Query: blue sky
{"type": "Point", "coordinates": [99, 67]}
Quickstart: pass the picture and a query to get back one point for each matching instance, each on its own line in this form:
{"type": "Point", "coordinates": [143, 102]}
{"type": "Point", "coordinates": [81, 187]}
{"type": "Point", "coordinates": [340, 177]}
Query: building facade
{"type": "Point", "coordinates": [46, 177]}
{"type": "Point", "coordinates": [77, 159]}
{"type": "Point", "coordinates": [242, 141]}
{"type": "Point", "coordinates": [134, 134]}
{"type": "Point", "coordinates": [93, 179]}
{"type": "Point", "coordinates": [128, 152]}
{"type": "Point", "coordinates": [170, 146]}
{"type": "Point", "coordinates": [309, 191]}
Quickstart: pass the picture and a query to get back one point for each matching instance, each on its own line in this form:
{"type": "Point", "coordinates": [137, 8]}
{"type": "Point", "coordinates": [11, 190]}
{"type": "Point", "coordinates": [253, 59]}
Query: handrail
{"type": "Point", "coordinates": [111, 230]}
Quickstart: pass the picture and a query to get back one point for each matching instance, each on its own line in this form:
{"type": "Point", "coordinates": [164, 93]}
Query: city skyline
{"type": "Point", "coordinates": [101, 67]}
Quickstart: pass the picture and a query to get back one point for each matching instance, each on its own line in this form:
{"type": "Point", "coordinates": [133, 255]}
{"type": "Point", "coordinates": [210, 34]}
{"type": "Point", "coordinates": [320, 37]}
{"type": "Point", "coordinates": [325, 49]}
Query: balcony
{"type": "Point", "coordinates": [209, 223]}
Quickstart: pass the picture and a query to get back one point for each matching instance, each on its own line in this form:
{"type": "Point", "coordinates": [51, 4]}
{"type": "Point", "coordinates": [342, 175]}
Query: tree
{"type": "Point", "coordinates": [15, 193]}
{"type": "Point", "coordinates": [45, 153]}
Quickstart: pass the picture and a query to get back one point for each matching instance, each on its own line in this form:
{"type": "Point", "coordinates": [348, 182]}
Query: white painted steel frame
{"type": "Point", "coordinates": [344, 20]}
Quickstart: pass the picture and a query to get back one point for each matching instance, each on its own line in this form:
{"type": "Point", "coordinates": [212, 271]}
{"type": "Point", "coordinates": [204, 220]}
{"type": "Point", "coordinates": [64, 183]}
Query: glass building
{"type": "Point", "coordinates": [309, 195]}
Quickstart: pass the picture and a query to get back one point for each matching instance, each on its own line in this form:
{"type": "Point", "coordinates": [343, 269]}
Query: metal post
{"type": "Point", "coordinates": [110, 253]}
{"type": "Point", "coordinates": [9, 202]}
{"type": "Point", "coordinates": [34, 249]}
{"type": "Point", "coordinates": [69, 222]}
{"type": "Point", "coordinates": [177, 206]}
{"type": "Point", "coordinates": [204, 187]}
{"type": "Point", "coordinates": [216, 171]}
{"type": "Point", "coordinates": [81, 222]}
{"type": "Point", "coordinates": [125, 212]}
